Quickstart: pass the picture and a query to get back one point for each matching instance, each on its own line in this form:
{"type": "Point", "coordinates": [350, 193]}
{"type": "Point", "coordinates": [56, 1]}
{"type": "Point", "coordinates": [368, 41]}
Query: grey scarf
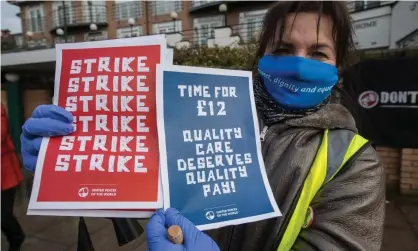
{"type": "Point", "coordinates": [271, 112]}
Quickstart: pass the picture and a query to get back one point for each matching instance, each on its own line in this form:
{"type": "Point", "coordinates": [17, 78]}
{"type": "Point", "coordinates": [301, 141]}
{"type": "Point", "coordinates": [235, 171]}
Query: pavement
{"type": "Point", "coordinates": [60, 233]}
{"type": "Point", "coordinates": [401, 225]}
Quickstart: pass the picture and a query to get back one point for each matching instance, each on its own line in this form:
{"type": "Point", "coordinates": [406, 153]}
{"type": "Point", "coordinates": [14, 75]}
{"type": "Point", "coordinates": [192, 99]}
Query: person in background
{"type": "Point", "coordinates": [327, 180]}
{"type": "Point", "coordinates": [11, 177]}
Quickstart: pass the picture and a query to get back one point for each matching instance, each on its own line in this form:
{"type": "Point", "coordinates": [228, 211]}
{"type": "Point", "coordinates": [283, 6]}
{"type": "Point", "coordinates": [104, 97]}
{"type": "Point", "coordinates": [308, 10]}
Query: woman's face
{"type": "Point", "coordinates": [301, 38]}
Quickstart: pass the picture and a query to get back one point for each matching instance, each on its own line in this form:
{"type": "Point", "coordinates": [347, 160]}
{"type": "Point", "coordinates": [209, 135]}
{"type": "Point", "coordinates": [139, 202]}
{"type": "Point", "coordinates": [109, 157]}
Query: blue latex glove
{"type": "Point", "coordinates": [194, 240]}
{"type": "Point", "coordinates": [46, 121]}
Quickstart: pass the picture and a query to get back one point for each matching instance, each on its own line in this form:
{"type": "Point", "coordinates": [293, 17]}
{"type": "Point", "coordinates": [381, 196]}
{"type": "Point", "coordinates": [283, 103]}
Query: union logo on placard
{"type": "Point", "coordinates": [368, 99]}
{"type": "Point", "coordinates": [210, 215]}
{"type": "Point", "coordinates": [83, 192]}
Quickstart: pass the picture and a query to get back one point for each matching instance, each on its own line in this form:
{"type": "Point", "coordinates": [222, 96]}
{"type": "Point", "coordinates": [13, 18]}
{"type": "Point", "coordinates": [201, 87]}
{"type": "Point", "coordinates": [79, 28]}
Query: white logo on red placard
{"type": "Point", "coordinates": [83, 192]}
{"type": "Point", "coordinates": [368, 99]}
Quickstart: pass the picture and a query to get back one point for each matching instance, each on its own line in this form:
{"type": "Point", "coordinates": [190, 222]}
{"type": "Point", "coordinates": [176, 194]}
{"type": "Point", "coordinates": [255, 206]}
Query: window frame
{"type": "Point", "coordinates": [158, 27]}
{"type": "Point", "coordinates": [177, 7]}
{"type": "Point", "coordinates": [135, 29]}
{"type": "Point", "coordinates": [39, 26]}
{"type": "Point", "coordinates": [133, 10]}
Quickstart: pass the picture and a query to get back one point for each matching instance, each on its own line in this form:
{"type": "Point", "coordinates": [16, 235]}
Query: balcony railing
{"type": "Point", "coordinates": [71, 15]}
{"type": "Point", "coordinates": [201, 37]}
{"type": "Point", "coordinates": [79, 15]}
{"type": "Point", "coordinates": [245, 32]}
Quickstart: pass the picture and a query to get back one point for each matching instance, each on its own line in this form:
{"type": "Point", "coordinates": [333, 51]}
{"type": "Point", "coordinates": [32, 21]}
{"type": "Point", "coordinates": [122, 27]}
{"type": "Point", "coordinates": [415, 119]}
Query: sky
{"type": "Point", "coordinates": [9, 20]}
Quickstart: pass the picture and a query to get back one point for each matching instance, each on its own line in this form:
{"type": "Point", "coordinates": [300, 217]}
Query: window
{"type": "Point", "coordinates": [167, 27]}
{"type": "Point", "coordinates": [95, 36]}
{"type": "Point", "coordinates": [94, 11]}
{"type": "Point", "coordinates": [135, 31]}
{"type": "Point", "coordinates": [61, 39]}
{"type": "Point", "coordinates": [59, 10]}
{"type": "Point", "coordinates": [250, 23]}
{"type": "Point", "coordinates": [165, 7]}
{"type": "Point", "coordinates": [125, 10]}
{"type": "Point", "coordinates": [205, 27]}
{"type": "Point", "coordinates": [35, 16]}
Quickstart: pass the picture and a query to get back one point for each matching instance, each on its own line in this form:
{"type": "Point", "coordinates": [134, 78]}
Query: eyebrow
{"type": "Point", "coordinates": [313, 46]}
{"type": "Point", "coordinates": [322, 46]}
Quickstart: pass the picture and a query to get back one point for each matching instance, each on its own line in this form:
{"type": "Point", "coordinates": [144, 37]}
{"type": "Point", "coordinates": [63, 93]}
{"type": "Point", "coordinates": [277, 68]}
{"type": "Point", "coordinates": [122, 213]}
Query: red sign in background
{"type": "Point", "coordinates": [68, 186]}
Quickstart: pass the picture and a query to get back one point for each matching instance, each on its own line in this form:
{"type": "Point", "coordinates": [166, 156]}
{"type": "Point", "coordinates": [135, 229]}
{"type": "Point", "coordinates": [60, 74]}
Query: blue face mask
{"type": "Point", "coordinates": [297, 83]}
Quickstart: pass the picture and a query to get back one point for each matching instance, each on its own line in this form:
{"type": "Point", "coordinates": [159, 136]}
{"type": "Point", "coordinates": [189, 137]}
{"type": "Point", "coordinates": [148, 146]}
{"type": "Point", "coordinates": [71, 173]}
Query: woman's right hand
{"type": "Point", "coordinates": [46, 121]}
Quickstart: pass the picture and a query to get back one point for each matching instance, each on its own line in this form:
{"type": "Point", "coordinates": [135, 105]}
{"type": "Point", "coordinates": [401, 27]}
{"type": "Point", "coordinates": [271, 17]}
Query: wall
{"type": "Point", "coordinates": [391, 160]}
{"type": "Point", "coordinates": [401, 169]}
{"type": "Point", "coordinates": [409, 171]}
{"type": "Point", "coordinates": [404, 20]}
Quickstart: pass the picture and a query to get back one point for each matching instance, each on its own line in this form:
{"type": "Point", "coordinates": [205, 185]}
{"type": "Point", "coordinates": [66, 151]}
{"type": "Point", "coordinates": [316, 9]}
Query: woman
{"type": "Point", "coordinates": [304, 47]}
{"type": "Point", "coordinates": [11, 177]}
{"type": "Point", "coordinates": [327, 180]}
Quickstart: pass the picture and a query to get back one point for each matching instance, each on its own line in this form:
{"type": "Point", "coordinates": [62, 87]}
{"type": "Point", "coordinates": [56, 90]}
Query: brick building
{"type": "Point", "coordinates": [45, 23]}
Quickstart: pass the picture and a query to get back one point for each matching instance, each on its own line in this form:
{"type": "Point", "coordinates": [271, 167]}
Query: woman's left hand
{"type": "Point", "coordinates": [194, 240]}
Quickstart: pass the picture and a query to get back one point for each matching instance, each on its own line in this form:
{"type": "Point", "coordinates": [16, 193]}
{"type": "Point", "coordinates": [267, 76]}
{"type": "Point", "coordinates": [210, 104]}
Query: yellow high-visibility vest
{"type": "Point", "coordinates": [337, 148]}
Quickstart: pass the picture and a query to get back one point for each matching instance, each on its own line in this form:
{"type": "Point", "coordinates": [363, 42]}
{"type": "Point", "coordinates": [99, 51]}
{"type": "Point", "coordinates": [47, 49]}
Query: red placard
{"type": "Point", "coordinates": [111, 160]}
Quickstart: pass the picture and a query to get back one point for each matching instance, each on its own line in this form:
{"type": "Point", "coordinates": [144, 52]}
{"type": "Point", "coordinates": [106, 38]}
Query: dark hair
{"type": "Point", "coordinates": [342, 30]}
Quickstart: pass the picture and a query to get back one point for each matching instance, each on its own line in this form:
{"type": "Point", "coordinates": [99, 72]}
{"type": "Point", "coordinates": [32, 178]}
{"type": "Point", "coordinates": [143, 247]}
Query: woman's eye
{"type": "Point", "coordinates": [318, 54]}
{"type": "Point", "coordinates": [281, 51]}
